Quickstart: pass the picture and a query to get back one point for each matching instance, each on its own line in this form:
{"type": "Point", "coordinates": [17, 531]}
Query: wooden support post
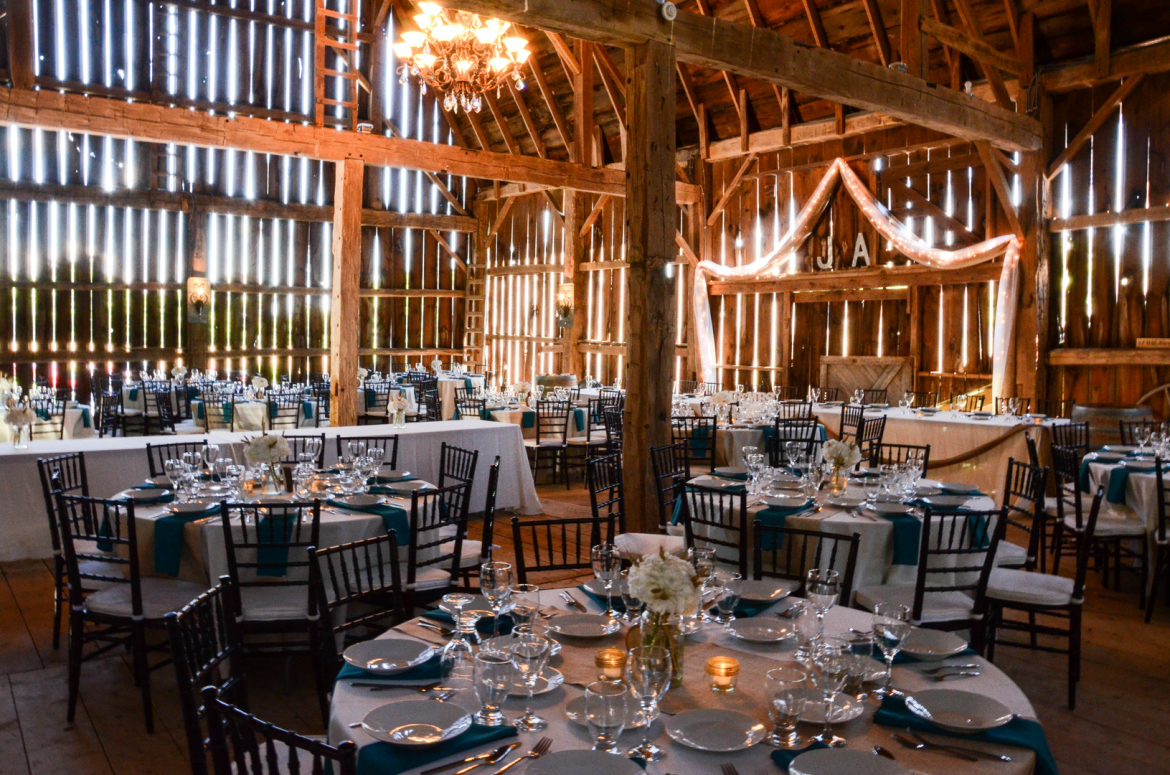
{"type": "Point", "coordinates": [345, 306]}
{"type": "Point", "coordinates": [574, 359]}
{"type": "Point", "coordinates": [1031, 336]}
{"type": "Point", "coordinates": [651, 220]}
{"type": "Point", "coordinates": [20, 43]}
{"type": "Point", "coordinates": [785, 116]}
{"type": "Point", "coordinates": [196, 333]}
{"type": "Point", "coordinates": [784, 337]}
{"type": "Point", "coordinates": [1102, 35]}
{"type": "Point", "coordinates": [915, 334]}
{"type": "Point", "coordinates": [914, 51]}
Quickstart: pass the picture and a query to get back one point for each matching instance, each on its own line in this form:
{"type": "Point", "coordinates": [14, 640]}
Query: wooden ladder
{"type": "Point", "coordinates": [344, 49]}
{"type": "Point", "coordinates": [473, 318]}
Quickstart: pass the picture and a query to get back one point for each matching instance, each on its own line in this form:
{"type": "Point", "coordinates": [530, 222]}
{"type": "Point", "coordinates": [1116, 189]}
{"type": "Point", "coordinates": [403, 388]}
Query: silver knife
{"type": "Point", "coordinates": [496, 757]}
{"type": "Point", "coordinates": [503, 749]}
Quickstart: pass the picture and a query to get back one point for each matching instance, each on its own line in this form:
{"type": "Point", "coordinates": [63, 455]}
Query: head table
{"type": "Point", "coordinates": [351, 704]}
{"type": "Point", "coordinates": [116, 463]}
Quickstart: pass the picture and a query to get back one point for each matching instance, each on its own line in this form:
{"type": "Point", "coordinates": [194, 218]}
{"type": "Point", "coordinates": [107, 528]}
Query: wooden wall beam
{"type": "Point", "coordinates": [651, 222]}
{"type": "Point", "coordinates": [731, 189]}
{"type": "Point", "coordinates": [551, 101]}
{"type": "Point", "coordinates": [769, 56]}
{"type": "Point", "coordinates": [529, 121]}
{"type": "Point", "coordinates": [1100, 116]}
{"type": "Point", "coordinates": [1102, 15]}
{"type": "Point", "coordinates": [1144, 58]}
{"type": "Point", "coordinates": [1002, 190]}
{"type": "Point", "coordinates": [915, 54]}
{"type": "Point", "coordinates": [345, 304]}
{"type": "Point", "coordinates": [976, 48]}
{"type": "Point", "coordinates": [20, 43]}
{"type": "Point", "coordinates": [848, 279]}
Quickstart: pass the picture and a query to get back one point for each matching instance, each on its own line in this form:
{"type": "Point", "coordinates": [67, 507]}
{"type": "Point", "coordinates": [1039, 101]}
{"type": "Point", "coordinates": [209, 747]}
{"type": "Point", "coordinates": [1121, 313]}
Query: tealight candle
{"type": "Point", "coordinates": [723, 672]}
{"type": "Point", "coordinates": [612, 663]}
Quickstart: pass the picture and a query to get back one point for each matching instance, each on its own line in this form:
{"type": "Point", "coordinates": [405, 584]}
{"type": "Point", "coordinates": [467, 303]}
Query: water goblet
{"type": "Point", "coordinates": [312, 447]}
{"type": "Point", "coordinates": [495, 582]}
{"type": "Point", "coordinates": [807, 626]}
{"type": "Point", "coordinates": [872, 486]}
{"type": "Point", "coordinates": [210, 453]}
{"type": "Point", "coordinates": [493, 680]}
{"type": "Point", "coordinates": [525, 604]}
{"type": "Point", "coordinates": [649, 670]}
{"type": "Point", "coordinates": [607, 564]}
{"type": "Point", "coordinates": [457, 658]}
{"type": "Point", "coordinates": [747, 450]}
{"type": "Point", "coordinates": [823, 588]}
{"type": "Point", "coordinates": [833, 660]}
{"type": "Point", "coordinates": [1142, 435]}
{"type": "Point", "coordinates": [633, 605]}
{"type": "Point", "coordinates": [786, 689]}
{"type": "Point", "coordinates": [891, 625]}
{"type": "Point", "coordinates": [606, 707]}
{"type": "Point", "coordinates": [376, 455]}
{"type": "Point", "coordinates": [728, 587]}
{"type": "Point", "coordinates": [529, 653]}
{"type": "Point", "coordinates": [173, 469]}
{"type": "Point", "coordinates": [356, 449]}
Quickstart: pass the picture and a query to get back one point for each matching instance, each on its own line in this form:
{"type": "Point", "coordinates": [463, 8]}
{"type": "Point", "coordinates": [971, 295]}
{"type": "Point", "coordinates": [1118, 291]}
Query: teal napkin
{"type": "Point", "coordinates": [744, 610]}
{"type": "Point", "coordinates": [371, 398]}
{"type": "Point", "coordinates": [390, 479]}
{"type": "Point", "coordinates": [133, 394]}
{"type": "Point", "coordinates": [783, 758]}
{"type": "Point", "coordinates": [484, 626]}
{"type": "Point", "coordinates": [199, 414]}
{"type": "Point", "coordinates": [384, 759]}
{"type": "Point", "coordinates": [278, 529]}
{"type": "Point", "coordinates": [737, 477]}
{"type": "Point", "coordinates": [168, 497]}
{"type": "Point", "coordinates": [775, 516]}
{"type": "Point", "coordinates": [1118, 477]}
{"type": "Point", "coordinates": [227, 411]}
{"type": "Point", "coordinates": [907, 537]}
{"type": "Point", "coordinates": [579, 418]}
{"type": "Point", "coordinates": [1085, 472]}
{"type": "Point", "coordinates": [85, 416]}
{"type": "Point", "coordinates": [168, 539]}
{"type": "Point", "coordinates": [528, 420]}
{"type": "Point", "coordinates": [962, 489]}
{"type": "Point", "coordinates": [1019, 732]}
{"type": "Point", "coordinates": [307, 409]}
{"type": "Point", "coordinates": [393, 518]}
{"type": "Point", "coordinates": [431, 670]}
{"type": "Point", "coordinates": [701, 441]}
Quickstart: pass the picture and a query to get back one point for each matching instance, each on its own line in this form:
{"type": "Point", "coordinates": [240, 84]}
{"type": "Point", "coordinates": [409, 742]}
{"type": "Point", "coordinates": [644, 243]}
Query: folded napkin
{"type": "Point", "coordinates": [484, 626]}
{"type": "Point", "coordinates": [307, 409]}
{"type": "Point", "coordinates": [431, 670]}
{"type": "Point", "coordinates": [393, 518]}
{"type": "Point", "coordinates": [164, 496]}
{"type": "Point", "coordinates": [168, 539]}
{"type": "Point", "coordinates": [1019, 732]}
{"type": "Point", "coordinates": [85, 416]}
{"type": "Point", "coordinates": [384, 759]}
{"type": "Point", "coordinates": [959, 488]}
{"type": "Point", "coordinates": [783, 757]}
{"type": "Point", "coordinates": [390, 479]}
{"type": "Point", "coordinates": [1084, 478]}
{"type": "Point", "coordinates": [907, 536]}
{"type": "Point", "coordinates": [775, 516]}
{"type": "Point", "coordinates": [275, 530]}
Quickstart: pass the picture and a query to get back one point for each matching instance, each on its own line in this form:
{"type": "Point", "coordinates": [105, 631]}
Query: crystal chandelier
{"type": "Point", "coordinates": [461, 55]}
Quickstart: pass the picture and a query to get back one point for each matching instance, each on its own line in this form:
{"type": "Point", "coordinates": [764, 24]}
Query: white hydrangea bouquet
{"type": "Point", "coordinates": [267, 451]}
{"type": "Point", "coordinates": [20, 417]}
{"type": "Point", "coordinates": [259, 384]}
{"type": "Point", "coordinates": [842, 454]}
{"type": "Point", "coordinates": [670, 588]}
{"type": "Point", "coordinates": [362, 374]}
{"type": "Point", "coordinates": [179, 372]}
{"type": "Point", "coordinates": [522, 389]}
{"type": "Point", "coordinates": [398, 403]}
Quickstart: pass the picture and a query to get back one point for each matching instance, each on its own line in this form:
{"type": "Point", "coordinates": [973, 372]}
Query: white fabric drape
{"type": "Point", "coordinates": [907, 243]}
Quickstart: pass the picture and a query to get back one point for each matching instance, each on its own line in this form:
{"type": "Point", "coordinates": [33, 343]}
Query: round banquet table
{"type": "Point", "coordinates": [350, 704]}
{"type": "Point", "coordinates": [79, 424]}
{"type": "Point", "coordinates": [875, 550]}
{"type": "Point", "coordinates": [447, 385]}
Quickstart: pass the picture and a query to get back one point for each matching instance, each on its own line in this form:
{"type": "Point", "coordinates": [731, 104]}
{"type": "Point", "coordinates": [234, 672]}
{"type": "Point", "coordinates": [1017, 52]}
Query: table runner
{"type": "Point", "coordinates": [393, 518]}
{"type": "Point", "coordinates": [168, 539]}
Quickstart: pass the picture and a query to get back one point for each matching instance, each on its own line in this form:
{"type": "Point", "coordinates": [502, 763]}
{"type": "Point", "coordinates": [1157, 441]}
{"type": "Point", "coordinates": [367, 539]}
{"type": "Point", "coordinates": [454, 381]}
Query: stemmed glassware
{"type": "Point", "coordinates": [648, 672]}
{"type": "Point", "coordinates": [1142, 435]}
{"type": "Point", "coordinates": [823, 588]}
{"type": "Point", "coordinates": [529, 656]}
{"type": "Point", "coordinates": [493, 681]}
{"type": "Point", "coordinates": [495, 581]}
{"type": "Point", "coordinates": [633, 605]}
{"type": "Point", "coordinates": [312, 447]}
{"type": "Point", "coordinates": [525, 604]}
{"type": "Point", "coordinates": [356, 449]}
{"type": "Point", "coordinates": [807, 626]}
{"type": "Point", "coordinates": [728, 587]}
{"type": "Point", "coordinates": [786, 689]}
{"type": "Point", "coordinates": [606, 707]}
{"type": "Point", "coordinates": [457, 659]}
{"type": "Point", "coordinates": [891, 625]}
{"type": "Point", "coordinates": [607, 564]}
{"type": "Point", "coordinates": [833, 660]}
{"type": "Point", "coordinates": [210, 454]}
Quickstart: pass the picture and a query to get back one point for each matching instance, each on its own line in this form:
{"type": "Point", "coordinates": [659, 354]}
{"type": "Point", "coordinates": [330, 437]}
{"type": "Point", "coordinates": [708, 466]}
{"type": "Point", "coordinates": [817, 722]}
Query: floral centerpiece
{"type": "Point", "coordinates": [397, 406]}
{"type": "Point", "coordinates": [362, 374]}
{"type": "Point", "coordinates": [179, 372]}
{"type": "Point", "coordinates": [842, 455]}
{"type": "Point", "coordinates": [267, 450]}
{"type": "Point", "coordinates": [20, 417]}
{"type": "Point", "coordinates": [259, 384]}
{"type": "Point", "coordinates": [521, 390]}
{"type": "Point", "coordinates": [669, 587]}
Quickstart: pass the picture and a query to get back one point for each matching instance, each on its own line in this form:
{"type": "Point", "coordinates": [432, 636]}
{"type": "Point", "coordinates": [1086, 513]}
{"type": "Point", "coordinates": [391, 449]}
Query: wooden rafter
{"type": "Point", "coordinates": [446, 247]}
{"type": "Point", "coordinates": [878, 27]}
{"type": "Point", "coordinates": [598, 208]}
{"type": "Point", "coordinates": [1102, 16]}
{"type": "Point", "coordinates": [505, 208]}
{"type": "Point", "coordinates": [1002, 190]}
{"type": "Point", "coordinates": [976, 48]}
{"type": "Point", "coordinates": [502, 123]}
{"type": "Point", "coordinates": [529, 121]}
{"type": "Point", "coordinates": [820, 36]}
{"type": "Point", "coordinates": [991, 72]}
{"type": "Point", "coordinates": [729, 80]}
{"type": "Point", "coordinates": [572, 66]}
{"type": "Point", "coordinates": [1099, 117]}
{"type": "Point", "coordinates": [945, 221]}
{"type": "Point", "coordinates": [757, 19]}
{"type": "Point", "coordinates": [551, 101]}
{"type": "Point", "coordinates": [688, 85]}
{"type": "Point", "coordinates": [1144, 58]}
{"type": "Point", "coordinates": [731, 189]}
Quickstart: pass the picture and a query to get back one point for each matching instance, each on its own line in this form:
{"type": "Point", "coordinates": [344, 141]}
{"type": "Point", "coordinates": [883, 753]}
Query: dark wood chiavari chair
{"type": "Point", "coordinates": [67, 474]}
{"type": "Point", "coordinates": [964, 402]}
{"type": "Point", "coordinates": [1073, 435]}
{"type": "Point", "coordinates": [613, 417]}
{"type": "Point", "coordinates": [388, 445]}
{"type": "Point", "coordinates": [671, 473]}
{"type": "Point", "coordinates": [302, 442]}
{"type": "Point", "coordinates": [375, 409]}
{"type": "Point", "coordinates": [1023, 502]}
{"type": "Point", "coordinates": [158, 454]}
{"type": "Point", "coordinates": [1025, 404]}
{"type": "Point", "coordinates": [548, 545]}
{"type": "Point", "coordinates": [698, 433]}
{"type": "Point", "coordinates": [874, 396]}
{"type": "Point", "coordinates": [476, 553]}
{"type": "Point", "coordinates": [551, 442]}
{"type": "Point", "coordinates": [922, 399]}
{"type": "Point", "coordinates": [789, 553]}
{"type": "Point", "coordinates": [716, 518]}
{"type": "Point", "coordinates": [285, 410]}
{"type": "Point", "coordinates": [438, 527]}
{"type": "Point", "coordinates": [607, 499]}
{"type": "Point", "coordinates": [893, 454]}
{"type": "Point", "coordinates": [794, 410]}
{"type": "Point", "coordinates": [1129, 429]}
{"type": "Point", "coordinates": [1161, 545]}
{"type": "Point", "coordinates": [806, 433]}
{"type": "Point", "coordinates": [50, 414]}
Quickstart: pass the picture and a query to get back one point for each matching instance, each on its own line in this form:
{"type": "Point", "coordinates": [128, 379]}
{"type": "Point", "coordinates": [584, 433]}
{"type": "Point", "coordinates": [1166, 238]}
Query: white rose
{"type": "Point", "coordinates": [259, 383]}
{"type": "Point", "coordinates": [363, 373]}
{"type": "Point", "coordinates": [178, 372]}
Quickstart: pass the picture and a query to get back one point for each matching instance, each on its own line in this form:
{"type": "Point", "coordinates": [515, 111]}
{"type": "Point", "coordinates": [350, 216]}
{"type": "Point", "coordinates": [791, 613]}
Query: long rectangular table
{"type": "Point", "coordinates": [116, 463]}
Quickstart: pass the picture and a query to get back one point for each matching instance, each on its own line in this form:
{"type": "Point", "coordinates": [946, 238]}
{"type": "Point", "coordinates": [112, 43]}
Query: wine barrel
{"type": "Point", "coordinates": [1104, 427]}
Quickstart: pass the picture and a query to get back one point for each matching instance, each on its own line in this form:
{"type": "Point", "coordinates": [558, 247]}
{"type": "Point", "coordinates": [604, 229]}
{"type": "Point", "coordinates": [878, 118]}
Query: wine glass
{"type": "Point", "coordinates": [833, 661]}
{"type": "Point", "coordinates": [457, 659]}
{"type": "Point", "coordinates": [495, 581]}
{"type": "Point", "coordinates": [174, 472]}
{"type": "Point", "coordinates": [728, 587]}
{"type": "Point", "coordinates": [891, 625]}
{"type": "Point", "coordinates": [493, 680]}
{"type": "Point", "coordinates": [1142, 434]}
{"type": "Point", "coordinates": [607, 564]}
{"type": "Point", "coordinates": [823, 588]}
{"type": "Point", "coordinates": [633, 605]}
{"type": "Point", "coordinates": [872, 486]}
{"type": "Point", "coordinates": [356, 449]}
{"type": "Point", "coordinates": [525, 604]}
{"type": "Point", "coordinates": [807, 626]}
{"type": "Point", "coordinates": [210, 454]}
{"type": "Point", "coordinates": [786, 689]}
{"type": "Point", "coordinates": [313, 447]}
{"type": "Point", "coordinates": [649, 670]}
{"type": "Point", "coordinates": [529, 656]}
{"type": "Point", "coordinates": [605, 714]}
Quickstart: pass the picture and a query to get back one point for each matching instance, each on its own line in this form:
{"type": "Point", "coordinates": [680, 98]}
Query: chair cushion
{"type": "Point", "coordinates": [638, 544]}
{"type": "Point", "coordinates": [1019, 586]}
{"type": "Point", "coordinates": [936, 606]}
{"type": "Point", "coordinates": [159, 598]}
{"type": "Point", "coordinates": [533, 443]}
{"type": "Point", "coordinates": [428, 577]}
{"type": "Point", "coordinates": [1112, 527]}
{"type": "Point", "coordinates": [1010, 555]}
{"type": "Point", "coordinates": [274, 602]}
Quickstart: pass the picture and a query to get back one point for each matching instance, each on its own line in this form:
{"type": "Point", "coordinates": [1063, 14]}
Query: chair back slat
{"type": "Point", "coordinates": [698, 433]}
{"type": "Point", "coordinates": [669, 464]}
{"type": "Point", "coordinates": [438, 525]}
{"type": "Point", "coordinates": [388, 445]}
{"type": "Point", "coordinates": [717, 518]}
{"type": "Point", "coordinates": [1072, 434]}
{"type": "Point", "coordinates": [1023, 502]}
{"type": "Point", "coordinates": [606, 498]}
{"type": "Point", "coordinates": [790, 553]}
{"type": "Point", "coordinates": [956, 554]}
{"type": "Point", "coordinates": [805, 432]}
{"type": "Point", "coordinates": [109, 527]}
{"type": "Point", "coordinates": [158, 454]}
{"type": "Point", "coordinates": [543, 545]}
{"type": "Point", "coordinates": [883, 453]}
{"type": "Point", "coordinates": [267, 542]}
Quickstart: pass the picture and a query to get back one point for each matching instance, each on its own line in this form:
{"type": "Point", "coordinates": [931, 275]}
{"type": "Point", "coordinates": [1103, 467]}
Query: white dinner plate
{"type": "Point", "coordinates": [785, 478]}
{"type": "Point", "coordinates": [584, 625]}
{"type": "Point", "coordinates": [926, 490]}
{"type": "Point", "coordinates": [979, 415]}
{"type": "Point", "coordinates": [959, 711]}
{"type": "Point", "coordinates": [1141, 465]}
{"type": "Point", "coordinates": [891, 508]}
{"type": "Point", "coordinates": [958, 488]}
{"type": "Point", "coordinates": [144, 496]}
{"type": "Point", "coordinates": [731, 471]}
{"type": "Point", "coordinates": [707, 729]}
{"type": "Point", "coordinates": [766, 590]}
{"type": "Point", "coordinates": [549, 679]}
{"type": "Point", "coordinates": [360, 501]}
{"type": "Point", "coordinates": [411, 486]}
{"type": "Point", "coordinates": [190, 507]}
{"type": "Point", "coordinates": [932, 645]}
{"type": "Point", "coordinates": [843, 761]}
{"type": "Point", "coordinates": [582, 763]}
{"type": "Point", "coordinates": [393, 475]}
{"type": "Point", "coordinates": [765, 630]}
{"type": "Point", "coordinates": [845, 708]}
{"type": "Point", "coordinates": [1120, 448]}
{"type": "Point", "coordinates": [845, 501]}
{"type": "Point", "coordinates": [864, 473]}
{"type": "Point", "coordinates": [1031, 416]}
{"type": "Point", "coordinates": [416, 723]}
{"type": "Point", "coordinates": [387, 656]}
{"type": "Point", "coordinates": [946, 501]}
{"type": "Point", "coordinates": [479, 605]}
{"type": "Point", "coordinates": [786, 501]}
{"type": "Point", "coordinates": [575, 710]}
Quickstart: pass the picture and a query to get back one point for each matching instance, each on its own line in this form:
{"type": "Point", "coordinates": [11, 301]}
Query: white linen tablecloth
{"type": "Point", "coordinates": [80, 423]}
{"type": "Point", "coordinates": [115, 463]}
{"type": "Point", "coordinates": [350, 704]}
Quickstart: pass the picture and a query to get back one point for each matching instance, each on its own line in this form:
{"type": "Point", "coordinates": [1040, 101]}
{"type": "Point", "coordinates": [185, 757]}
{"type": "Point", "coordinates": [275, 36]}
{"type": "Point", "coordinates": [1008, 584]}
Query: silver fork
{"type": "Point", "coordinates": [538, 750]}
{"type": "Point", "coordinates": [443, 696]}
{"type": "Point", "coordinates": [729, 769]}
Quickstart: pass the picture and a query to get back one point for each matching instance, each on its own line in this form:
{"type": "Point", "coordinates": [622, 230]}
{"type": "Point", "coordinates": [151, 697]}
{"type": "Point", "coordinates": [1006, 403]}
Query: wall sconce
{"type": "Point", "coordinates": [564, 313]}
{"type": "Point", "coordinates": [198, 294]}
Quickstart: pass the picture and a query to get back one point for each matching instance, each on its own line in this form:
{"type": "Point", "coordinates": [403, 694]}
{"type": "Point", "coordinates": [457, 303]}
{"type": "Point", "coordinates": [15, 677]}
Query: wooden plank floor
{"type": "Point", "coordinates": [1118, 727]}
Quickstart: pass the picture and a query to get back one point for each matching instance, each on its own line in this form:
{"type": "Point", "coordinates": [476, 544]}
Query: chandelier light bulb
{"type": "Point", "coordinates": [414, 38]}
{"type": "Point", "coordinates": [422, 20]}
{"type": "Point", "coordinates": [515, 44]}
{"type": "Point", "coordinates": [403, 50]}
{"type": "Point", "coordinates": [430, 9]}
{"type": "Point", "coordinates": [486, 35]}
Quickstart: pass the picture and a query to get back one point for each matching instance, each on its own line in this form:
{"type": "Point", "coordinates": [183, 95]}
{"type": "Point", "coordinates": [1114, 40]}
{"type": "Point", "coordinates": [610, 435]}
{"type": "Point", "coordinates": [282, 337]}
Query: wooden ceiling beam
{"type": "Point", "coordinates": [1102, 14]}
{"type": "Point", "coordinates": [688, 84]}
{"type": "Point", "coordinates": [991, 72]}
{"type": "Point", "coordinates": [1002, 190]}
{"type": "Point", "coordinates": [878, 27]}
{"type": "Point", "coordinates": [976, 48]}
{"type": "Point", "coordinates": [1146, 58]}
{"type": "Point", "coordinates": [572, 66]}
{"type": "Point", "coordinates": [551, 101]}
{"type": "Point", "coordinates": [757, 19]}
{"type": "Point", "coordinates": [820, 37]}
{"type": "Point", "coordinates": [729, 80]}
{"type": "Point", "coordinates": [529, 121]}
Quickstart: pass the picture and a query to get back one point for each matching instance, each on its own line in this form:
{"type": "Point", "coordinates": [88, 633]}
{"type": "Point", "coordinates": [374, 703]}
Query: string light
{"type": "Point", "coordinates": [461, 54]}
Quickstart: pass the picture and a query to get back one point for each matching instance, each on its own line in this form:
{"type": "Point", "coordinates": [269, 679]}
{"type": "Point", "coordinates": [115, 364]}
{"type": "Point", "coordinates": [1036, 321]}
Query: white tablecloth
{"type": "Point", "coordinates": [115, 463]}
{"type": "Point", "coordinates": [351, 704]}
{"type": "Point", "coordinates": [516, 417]}
{"type": "Point", "coordinates": [447, 387]}
{"type": "Point", "coordinates": [80, 423]}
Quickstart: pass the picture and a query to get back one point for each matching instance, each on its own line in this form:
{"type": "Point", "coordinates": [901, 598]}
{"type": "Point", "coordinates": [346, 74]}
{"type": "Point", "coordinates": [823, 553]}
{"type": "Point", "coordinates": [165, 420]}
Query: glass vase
{"type": "Point", "coordinates": [665, 630]}
{"type": "Point", "coordinates": [276, 479]}
{"type": "Point", "coordinates": [21, 436]}
{"type": "Point", "coordinates": [839, 480]}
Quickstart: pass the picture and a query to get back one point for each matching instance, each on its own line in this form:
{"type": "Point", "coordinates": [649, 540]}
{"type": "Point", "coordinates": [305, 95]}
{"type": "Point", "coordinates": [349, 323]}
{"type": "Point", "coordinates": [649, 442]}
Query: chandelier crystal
{"type": "Point", "coordinates": [461, 55]}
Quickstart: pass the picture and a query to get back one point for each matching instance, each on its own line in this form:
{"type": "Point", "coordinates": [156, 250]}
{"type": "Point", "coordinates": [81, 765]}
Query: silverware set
{"type": "Point", "coordinates": [381, 687]}
{"type": "Point", "coordinates": [426, 624]}
{"type": "Point", "coordinates": [946, 672]}
{"type": "Point", "coordinates": [913, 740]}
{"type": "Point", "coordinates": [487, 757]}
{"type": "Point", "coordinates": [538, 750]}
{"type": "Point", "coordinates": [572, 601]}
